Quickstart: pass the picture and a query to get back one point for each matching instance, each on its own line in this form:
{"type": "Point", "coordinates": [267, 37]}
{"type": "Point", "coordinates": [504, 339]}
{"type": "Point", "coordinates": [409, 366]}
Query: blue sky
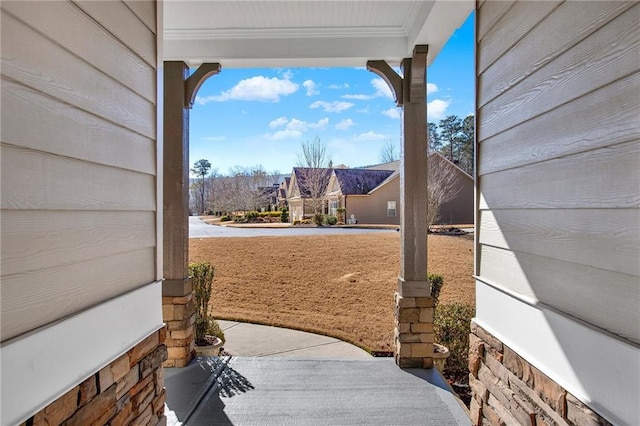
{"type": "Point", "coordinates": [250, 117]}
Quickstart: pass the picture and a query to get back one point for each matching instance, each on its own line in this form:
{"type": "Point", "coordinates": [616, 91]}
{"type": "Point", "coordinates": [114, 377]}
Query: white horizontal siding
{"type": "Point", "coordinates": [79, 158]}
{"type": "Point", "coordinates": [558, 237]}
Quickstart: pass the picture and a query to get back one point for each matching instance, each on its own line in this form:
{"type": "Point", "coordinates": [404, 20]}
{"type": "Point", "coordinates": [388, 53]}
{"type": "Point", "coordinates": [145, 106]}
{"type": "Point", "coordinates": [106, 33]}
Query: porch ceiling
{"type": "Point", "coordinates": [286, 33]}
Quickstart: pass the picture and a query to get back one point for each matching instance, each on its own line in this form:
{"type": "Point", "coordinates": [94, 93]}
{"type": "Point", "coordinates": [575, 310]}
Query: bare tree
{"type": "Point", "coordinates": [441, 185]}
{"type": "Point", "coordinates": [314, 170]}
{"type": "Point", "coordinates": [389, 152]}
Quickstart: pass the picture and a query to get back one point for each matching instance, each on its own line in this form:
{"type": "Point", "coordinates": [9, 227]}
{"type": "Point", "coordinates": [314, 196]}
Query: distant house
{"type": "Point", "coordinates": [303, 184]}
{"type": "Point", "coordinates": [268, 197]}
{"type": "Point", "coordinates": [371, 194]}
{"type": "Point", "coordinates": [459, 209]}
{"type": "Point", "coordinates": [283, 191]}
{"type": "Point", "coordinates": [367, 195]}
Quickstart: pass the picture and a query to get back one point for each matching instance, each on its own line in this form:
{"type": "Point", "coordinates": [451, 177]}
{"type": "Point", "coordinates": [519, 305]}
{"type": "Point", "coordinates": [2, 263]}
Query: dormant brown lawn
{"type": "Point", "coordinates": [341, 286]}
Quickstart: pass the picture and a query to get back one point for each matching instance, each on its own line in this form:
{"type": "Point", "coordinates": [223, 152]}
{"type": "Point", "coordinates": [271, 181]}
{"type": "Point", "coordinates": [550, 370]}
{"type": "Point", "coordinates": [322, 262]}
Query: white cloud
{"type": "Point", "coordinates": [436, 109]}
{"type": "Point", "coordinates": [278, 122]}
{"type": "Point", "coordinates": [285, 134]}
{"type": "Point", "coordinates": [311, 87]}
{"type": "Point", "coordinates": [259, 88]}
{"type": "Point", "coordinates": [345, 124]}
{"type": "Point", "coordinates": [392, 113]}
{"type": "Point", "coordinates": [431, 88]}
{"type": "Point", "coordinates": [338, 86]}
{"type": "Point", "coordinates": [370, 136]}
{"type": "Point", "coordinates": [358, 97]}
{"type": "Point", "coordinates": [335, 106]}
{"type": "Point", "coordinates": [382, 88]}
{"type": "Point", "coordinates": [294, 128]}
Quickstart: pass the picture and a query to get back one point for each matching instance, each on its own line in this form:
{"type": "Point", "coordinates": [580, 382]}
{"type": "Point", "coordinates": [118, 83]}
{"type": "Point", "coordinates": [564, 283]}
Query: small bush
{"type": "Point", "coordinates": [214, 329]}
{"type": "Point", "coordinates": [284, 215]}
{"type": "Point", "coordinates": [436, 282]}
{"type": "Point", "coordinates": [451, 326]}
{"type": "Point", "coordinates": [202, 275]}
{"type": "Point", "coordinates": [330, 220]}
{"type": "Point", "coordinates": [269, 214]}
{"type": "Point", "coordinates": [296, 222]}
{"type": "Point", "coordinates": [251, 215]}
{"type": "Point", "coordinates": [225, 218]}
{"type": "Point", "coordinates": [318, 219]}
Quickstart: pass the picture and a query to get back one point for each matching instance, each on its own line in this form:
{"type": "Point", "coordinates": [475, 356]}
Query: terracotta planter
{"type": "Point", "coordinates": [213, 349]}
{"type": "Point", "coordinates": [440, 355]}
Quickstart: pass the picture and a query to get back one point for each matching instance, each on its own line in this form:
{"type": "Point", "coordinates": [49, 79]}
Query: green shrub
{"type": "Point", "coordinates": [318, 219]}
{"type": "Point", "coordinates": [251, 215]}
{"type": "Point", "coordinates": [436, 282]}
{"type": "Point", "coordinates": [284, 215]}
{"type": "Point", "coordinates": [225, 218]}
{"type": "Point", "coordinates": [296, 222]}
{"type": "Point", "coordinates": [202, 275]}
{"type": "Point", "coordinates": [269, 214]}
{"type": "Point", "coordinates": [330, 220]}
{"type": "Point", "coordinates": [451, 326]}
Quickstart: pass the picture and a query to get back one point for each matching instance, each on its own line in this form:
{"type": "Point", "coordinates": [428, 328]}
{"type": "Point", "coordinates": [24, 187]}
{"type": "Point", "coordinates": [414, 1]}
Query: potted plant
{"type": "Point", "coordinates": [209, 337]}
{"type": "Point", "coordinates": [440, 352]}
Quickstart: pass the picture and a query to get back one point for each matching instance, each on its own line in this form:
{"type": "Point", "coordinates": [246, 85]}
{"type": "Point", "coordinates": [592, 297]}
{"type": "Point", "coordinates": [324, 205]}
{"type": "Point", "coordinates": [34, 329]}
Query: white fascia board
{"type": "Point", "coordinates": [40, 367]}
{"type": "Point", "coordinates": [244, 53]}
{"type": "Point", "coordinates": [444, 18]}
{"type": "Point", "coordinates": [600, 370]}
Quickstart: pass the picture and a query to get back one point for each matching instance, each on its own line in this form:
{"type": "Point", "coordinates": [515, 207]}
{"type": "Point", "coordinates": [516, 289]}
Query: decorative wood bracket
{"type": "Point", "coordinates": [413, 87]}
{"type": "Point", "coordinates": [393, 80]}
{"type": "Point", "coordinates": [195, 80]}
{"type": "Point", "coordinates": [418, 78]}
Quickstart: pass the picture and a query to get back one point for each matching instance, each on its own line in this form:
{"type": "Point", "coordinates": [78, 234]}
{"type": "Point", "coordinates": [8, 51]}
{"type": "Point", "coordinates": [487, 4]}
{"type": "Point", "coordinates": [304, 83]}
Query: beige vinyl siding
{"type": "Point", "coordinates": [78, 157]}
{"type": "Point", "coordinates": [459, 209]}
{"type": "Point", "coordinates": [372, 208]}
{"type": "Point", "coordinates": [558, 155]}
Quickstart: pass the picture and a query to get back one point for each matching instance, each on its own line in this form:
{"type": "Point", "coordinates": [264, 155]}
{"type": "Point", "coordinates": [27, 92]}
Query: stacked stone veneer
{"type": "Point", "coordinates": [129, 391]}
{"type": "Point", "coordinates": [414, 332]}
{"type": "Point", "coordinates": [507, 390]}
{"type": "Point", "coordinates": [179, 315]}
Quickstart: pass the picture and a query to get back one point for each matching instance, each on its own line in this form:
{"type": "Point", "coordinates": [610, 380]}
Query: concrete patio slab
{"type": "Point", "coordinates": [253, 340]}
{"type": "Point", "coordinates": [276, 391]}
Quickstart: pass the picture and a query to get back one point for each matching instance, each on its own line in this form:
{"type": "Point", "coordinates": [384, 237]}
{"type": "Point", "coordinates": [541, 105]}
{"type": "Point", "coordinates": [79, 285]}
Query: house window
{"type": "Point", "coordinates": [391, 208]}
{"type": "Point", "coordinates": [333, 207]}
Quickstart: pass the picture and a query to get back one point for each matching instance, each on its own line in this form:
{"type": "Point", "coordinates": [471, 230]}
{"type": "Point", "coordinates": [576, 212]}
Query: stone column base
{"type": "Point", "coordinates": [413, 332]}
{"type": "Point", "coordinates": [130, 390]}
{"type": "Point", "coordinates": [179, 315]}
{"type": "Point", "coordinates": [508, 390]}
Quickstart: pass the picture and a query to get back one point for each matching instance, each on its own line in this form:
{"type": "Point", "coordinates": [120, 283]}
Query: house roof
{"type": "Point", "coordinates": [303, 176]}
{"type": "Point", "coordinates": [360, 181]}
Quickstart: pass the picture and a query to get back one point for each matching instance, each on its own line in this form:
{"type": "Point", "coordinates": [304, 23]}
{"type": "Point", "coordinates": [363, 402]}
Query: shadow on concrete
{"type": "Point", "coordinates": [231, 383]}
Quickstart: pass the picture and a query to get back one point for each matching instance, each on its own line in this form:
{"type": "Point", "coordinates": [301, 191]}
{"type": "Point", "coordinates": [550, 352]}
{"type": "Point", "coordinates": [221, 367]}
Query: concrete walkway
{"type": "Point", "coordinates": [278, 391]}
{"type": "Point", "coordinates": [289, 377]}
{"type": "Point", "coordinates": [253, 340]}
